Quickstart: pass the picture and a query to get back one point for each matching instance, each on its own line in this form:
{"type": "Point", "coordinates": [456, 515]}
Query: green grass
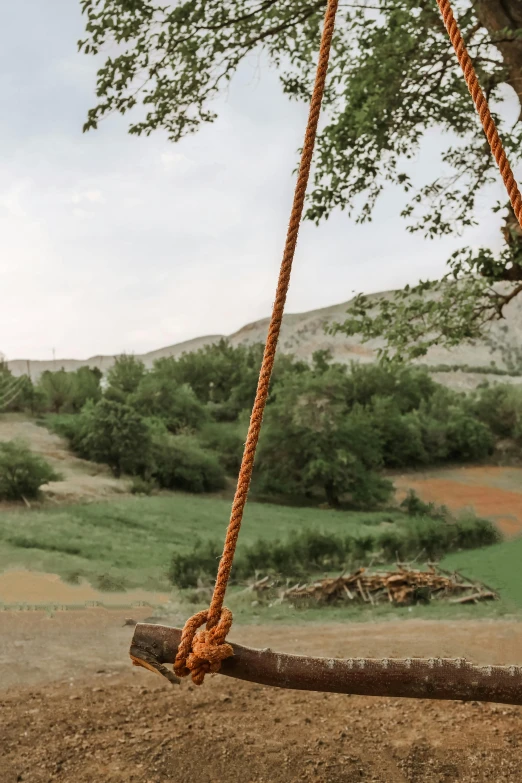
{"type": "Point", "coordinates": [132, 540]}
{"type": "Point", "coordinates": [497, 566]}
{"type": "Point", "coordinates": [129, 543]}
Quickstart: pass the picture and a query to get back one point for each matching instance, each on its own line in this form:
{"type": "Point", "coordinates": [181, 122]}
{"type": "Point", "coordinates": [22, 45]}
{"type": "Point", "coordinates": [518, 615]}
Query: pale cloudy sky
{"type": "Point", "coordinates": [110, 243]}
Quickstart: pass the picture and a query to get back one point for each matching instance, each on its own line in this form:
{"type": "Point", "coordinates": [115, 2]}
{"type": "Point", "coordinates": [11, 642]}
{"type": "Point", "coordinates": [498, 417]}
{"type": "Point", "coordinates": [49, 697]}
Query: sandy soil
{"type": "Point", "coordinates": [73, 709]}
{"type": "Point", "coordinates": [19, 586]}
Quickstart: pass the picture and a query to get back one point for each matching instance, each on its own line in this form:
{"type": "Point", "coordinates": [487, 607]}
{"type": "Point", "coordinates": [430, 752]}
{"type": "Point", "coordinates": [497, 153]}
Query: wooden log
{"type": "Point", "coordinates": [153, 646]}
{"type": "Point", "coordinates": [472, 597]}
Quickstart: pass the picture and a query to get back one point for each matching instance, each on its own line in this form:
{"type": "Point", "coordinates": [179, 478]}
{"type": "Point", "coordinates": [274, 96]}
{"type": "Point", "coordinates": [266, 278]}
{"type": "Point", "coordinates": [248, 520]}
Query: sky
{"type": "Point", "coordinates": [111, 243]}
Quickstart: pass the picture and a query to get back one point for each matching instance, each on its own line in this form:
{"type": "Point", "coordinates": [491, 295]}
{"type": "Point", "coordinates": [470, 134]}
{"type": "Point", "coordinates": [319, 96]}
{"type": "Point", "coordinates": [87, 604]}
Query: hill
{"type": "Point", "coordinates": [303, 333]}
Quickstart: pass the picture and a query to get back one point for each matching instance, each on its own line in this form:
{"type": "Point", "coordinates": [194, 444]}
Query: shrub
{"type": "Point", "coordinates": [500, 408]}
{"type": "Point", "coordinates": [186, 570]}
{"type": "Point", "coordinates": [473, 532]}
{"type": "Point", "coordinates": [142, 486]}
{"type": "Point", "coordinates": [309, 552]}
{"type": "Point", "coordinates": [177, 405]}
{"type": "Point", "coordinates": [73, 428]}
{"type": "Point", "coordinates": [22, 473]}
{"type": "Point", "coordinates": [180, 463]}
{"type": "Point", "coordinates": [124, 377]}
{"type": "Point", "coordinates": [468, 438]}
{"type": "Point", "coordinates": [414, 507]}
{"type": "Point", "coordinates": [57, 389]}
{"type": "Point", "coordinates": [118, 436]}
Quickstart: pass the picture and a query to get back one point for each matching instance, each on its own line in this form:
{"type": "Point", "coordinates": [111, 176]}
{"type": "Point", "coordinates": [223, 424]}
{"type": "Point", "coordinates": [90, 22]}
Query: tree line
{"type": "Point", "coordinates": [331, 431]}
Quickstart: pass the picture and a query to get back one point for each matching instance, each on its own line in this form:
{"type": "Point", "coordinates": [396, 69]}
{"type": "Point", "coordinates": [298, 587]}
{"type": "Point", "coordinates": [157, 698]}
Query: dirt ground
{"type": "Point", "coordinates": [73, 709]}
{"type": "Point", "coordinates": [81, 480]}
{"type": "Point", "coordinates": [492, 492]}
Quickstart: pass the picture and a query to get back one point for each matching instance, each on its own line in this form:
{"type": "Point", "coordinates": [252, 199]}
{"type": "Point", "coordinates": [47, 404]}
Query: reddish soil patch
{"type": "Point", "coordinates": [101, 720]}
{"type": "Point", "coordinates": [492, 492]}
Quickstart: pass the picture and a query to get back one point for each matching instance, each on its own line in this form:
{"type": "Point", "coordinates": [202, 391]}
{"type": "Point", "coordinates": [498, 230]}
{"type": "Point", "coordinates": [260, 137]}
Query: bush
{"type": "Point", "coordinates": [499, 407]}
{"type": "Point", "coordinates": [401, 434]}
{"type": "Point", "coordinates": [142, 486]}
{"type": "Point", "coordinates": [415, 507]}
{"type": "Point", "coordinates": [73, 428]}
{"type": "Point", "coordinates": [118, 436]}
{"type": "Point", "coordinates": [177, 405]}
{"type": "Point", "coordinates": [200, 564]}
{"type": "Point", "coordinates": [181, 464]}
{"type": "Point", "coordinates": [22, 473]}
{"type": "Point", "coordinates": [468, 438]}
{"type": "Point", "coordinates": [436, 538]}
{"type": "Point", "coordinates": [305, 553]}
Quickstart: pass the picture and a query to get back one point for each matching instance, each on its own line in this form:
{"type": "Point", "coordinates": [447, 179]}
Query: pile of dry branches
{"type": "Point", "coordinates": [401, 587]}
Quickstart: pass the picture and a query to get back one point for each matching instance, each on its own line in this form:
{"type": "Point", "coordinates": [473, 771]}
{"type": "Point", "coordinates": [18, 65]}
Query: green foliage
{"type": "Point", "coordinates": [312, 440]}
{"type": "Point", "coordinates": [22, 473]}
{"type": "Point", "coordinates": [177, 405]}
{"type": "Point", "coordinates": [142, 486]}
{"type": "Point", "coordinates": [15, 393]}
{"type": "Point", "coordinates": [444, 312]}
{"type": "Point", "coordinates": [408, 386]}
{"type": "Point", "coordinates": [62, 391]}
{"type": "Point", "coordinates": [73, 428]}
{"type": "Point", "coordinates": [181, 464]}
{"type": "Point", "coordinates": [57, 389]}
{"type": "Point", "coordinates": [86, 387]}
{"type": "Point", "coordinates": [187, 571]}
{"type": "Point", "coordinates": [222, 376]}
{"type": "Point", "coordinates": [414, 506]}
{"type": "Point", "coordinates": [308, 552]}
{"type": "Point", "coordinates": [500, 408]}
{"type": "Point", "coordinates": [382, 55]}
{"type": "Point", "coordinates": [225, 440]}
{"type": "Point", "coordinates": [392, 79]}
{"type": "Point", "coordinates": [468, 438]}
{"type": "Point", "coordinates": [124, 377]}
{"type": "Point", "coordinates": [115, 434]}
{"type": "Point", "coordinates": [401, 435]}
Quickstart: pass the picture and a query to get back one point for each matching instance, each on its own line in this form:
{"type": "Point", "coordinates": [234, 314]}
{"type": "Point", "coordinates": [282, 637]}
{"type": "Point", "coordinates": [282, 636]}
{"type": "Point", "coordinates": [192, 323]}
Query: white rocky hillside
{"type": "Point", "coordinates": [303, 333]}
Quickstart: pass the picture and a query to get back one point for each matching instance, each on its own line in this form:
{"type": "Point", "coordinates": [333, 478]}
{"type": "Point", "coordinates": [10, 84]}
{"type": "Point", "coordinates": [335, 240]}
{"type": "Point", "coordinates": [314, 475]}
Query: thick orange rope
{"type": "Point", "coordinates": [203, 652]}
{"type": "Point", "coordinates": [481, 105]}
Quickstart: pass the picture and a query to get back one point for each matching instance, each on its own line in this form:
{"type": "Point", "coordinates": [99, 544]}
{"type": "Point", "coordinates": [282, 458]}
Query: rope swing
{"type": "Point", "coordinates": [196, 652]}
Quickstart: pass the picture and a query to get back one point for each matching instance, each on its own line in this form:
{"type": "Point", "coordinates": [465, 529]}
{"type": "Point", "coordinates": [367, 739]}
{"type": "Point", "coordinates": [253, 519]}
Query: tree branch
{"type": "Point", "coordinates": [414, 678]}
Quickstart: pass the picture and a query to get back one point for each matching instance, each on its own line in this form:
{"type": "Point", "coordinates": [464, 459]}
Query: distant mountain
{"type": "Point", "coordinates": [303, 333]}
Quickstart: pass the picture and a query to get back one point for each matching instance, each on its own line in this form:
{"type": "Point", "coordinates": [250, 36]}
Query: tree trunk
{"type": "Point", "coordinates": [498, 15]}
{"type": "Point", "coordinates": [331, 495]}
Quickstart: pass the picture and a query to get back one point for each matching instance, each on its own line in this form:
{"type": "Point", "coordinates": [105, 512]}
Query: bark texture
{"type": "Point", "coordinates": [414, 678]}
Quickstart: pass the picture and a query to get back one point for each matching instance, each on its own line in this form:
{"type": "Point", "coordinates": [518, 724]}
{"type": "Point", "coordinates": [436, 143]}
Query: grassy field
{"type": "Point", "coordinates": [130, 541]}
{"type": "Point", "coordinates": [497, 566]}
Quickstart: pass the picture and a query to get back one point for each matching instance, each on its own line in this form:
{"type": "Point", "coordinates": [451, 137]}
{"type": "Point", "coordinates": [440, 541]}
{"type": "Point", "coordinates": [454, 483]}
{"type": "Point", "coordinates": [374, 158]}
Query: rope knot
{"type": "Point", "coordinates": [201, 652]}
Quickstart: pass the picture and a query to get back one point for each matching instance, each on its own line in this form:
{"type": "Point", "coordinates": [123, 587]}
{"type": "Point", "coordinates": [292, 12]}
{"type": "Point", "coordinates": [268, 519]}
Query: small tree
{"type": "Point", "coordinates": [124, 377]}
{"type": "Point", "coordinates": [313, 441]}
{"type": "Point", "coordinates": [117, 435]}
{"type": "Point", "coordinates": [22, 473]}
{"type": "Point", "coordinates": [177, 405]}
{"type": "Point", "coordinates": [85, 387]}
{"type": "Point", "coordinates": [57, 389]}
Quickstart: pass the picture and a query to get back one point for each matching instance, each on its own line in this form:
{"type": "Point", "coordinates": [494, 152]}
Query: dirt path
{"type": "Point", "coordinates": [82, 480]}
{"type": "Point", "coordinates": [74, 710]}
